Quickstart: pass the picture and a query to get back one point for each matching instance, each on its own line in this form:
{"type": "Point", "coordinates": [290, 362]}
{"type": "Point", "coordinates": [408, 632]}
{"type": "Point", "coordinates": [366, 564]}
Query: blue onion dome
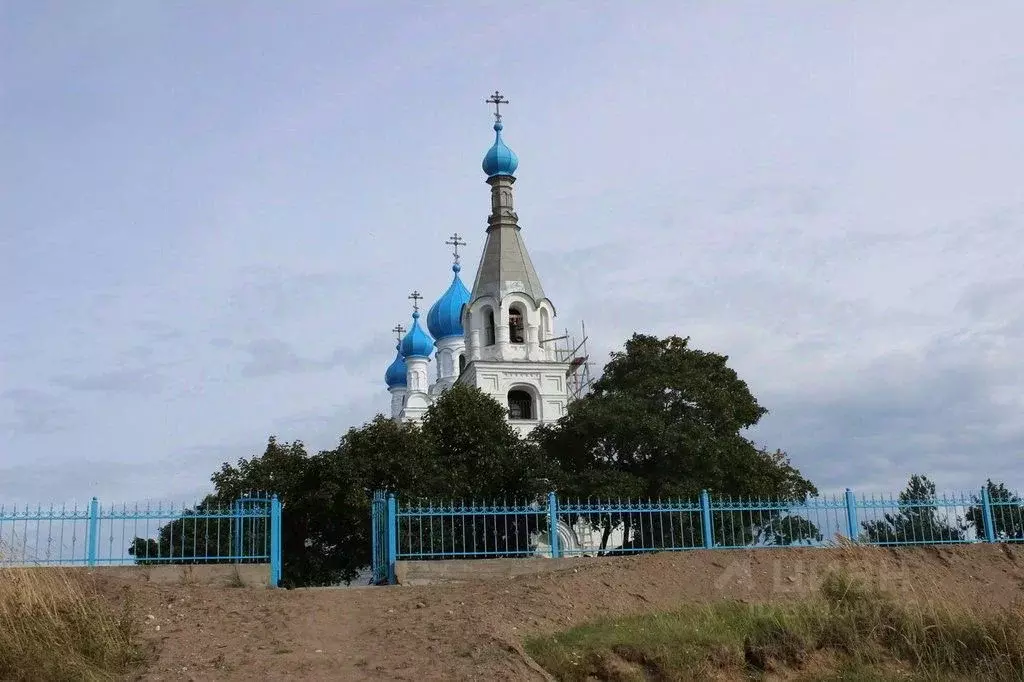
{"type": "Point", "coordinates": [417, 344]}
{"type": "Point", "coordinates": [499, 160]}
{"type": "Point", "coordinates": [444, 318]}
{"type": "Point", "coordinates": [395, 376]}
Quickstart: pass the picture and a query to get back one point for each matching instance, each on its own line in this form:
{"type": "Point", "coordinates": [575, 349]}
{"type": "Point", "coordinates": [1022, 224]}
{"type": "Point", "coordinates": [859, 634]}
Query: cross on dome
{"type": "Point", "coordinates": [416, 343]}
{"type": "Point", "coordinates": [499, 160]}
{"type": "Point", "coordinates": [415, 297]}
{"type": "Point", "coordinates": [497, 99]}
{"type": "Point", "coordinates": [455, 241]}
{"type": "Point", "coordinates": [398, 330]}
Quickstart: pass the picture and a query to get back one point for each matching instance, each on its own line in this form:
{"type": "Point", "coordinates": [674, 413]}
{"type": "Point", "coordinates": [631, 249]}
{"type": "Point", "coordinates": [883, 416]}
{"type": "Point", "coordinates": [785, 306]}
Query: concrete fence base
{"type": "Point", "coordinates": [461, 570]}
{"type": "Point", "coordinates": [212, 575]}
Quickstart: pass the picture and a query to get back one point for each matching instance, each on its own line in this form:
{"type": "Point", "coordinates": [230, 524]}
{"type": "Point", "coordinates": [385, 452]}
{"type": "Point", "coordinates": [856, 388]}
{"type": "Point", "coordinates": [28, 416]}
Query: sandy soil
{"type": "Point", "coordinates": [474, 631]}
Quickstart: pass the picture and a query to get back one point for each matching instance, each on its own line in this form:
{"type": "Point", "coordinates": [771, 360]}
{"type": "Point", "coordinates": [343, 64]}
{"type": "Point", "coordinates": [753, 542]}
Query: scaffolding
{"type": "Point", "coordinates": [575, 354]}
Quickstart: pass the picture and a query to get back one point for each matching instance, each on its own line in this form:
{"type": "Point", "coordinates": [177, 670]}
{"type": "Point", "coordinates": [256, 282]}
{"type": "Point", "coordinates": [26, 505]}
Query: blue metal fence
{"type": "Point", "coordinates": [245, 531]}
{"type": "Point", "coordinates": [553, 527]}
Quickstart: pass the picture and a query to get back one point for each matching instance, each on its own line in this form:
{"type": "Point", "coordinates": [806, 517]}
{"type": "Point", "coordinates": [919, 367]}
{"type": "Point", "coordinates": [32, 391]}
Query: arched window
{"type": "Point", "coordinates": [516, 333]}
{"type": "Point", "coordinates": [462, 363]}
{"type": "Point", "coordinates": [488, 327]}
{"type": "Point", "coordinates": [520, 405]}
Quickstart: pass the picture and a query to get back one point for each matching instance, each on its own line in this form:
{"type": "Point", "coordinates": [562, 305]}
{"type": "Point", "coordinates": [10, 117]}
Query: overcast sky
{"type": "Point", "coordinates": [211, 215]}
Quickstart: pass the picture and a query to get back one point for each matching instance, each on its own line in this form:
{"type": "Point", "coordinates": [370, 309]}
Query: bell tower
{"type": "Point", "coordinates": [508, 320]}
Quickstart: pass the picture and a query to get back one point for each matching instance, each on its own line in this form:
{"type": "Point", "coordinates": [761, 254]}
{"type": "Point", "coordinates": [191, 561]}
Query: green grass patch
{"type": "Point", "coordinates": [846, 632]}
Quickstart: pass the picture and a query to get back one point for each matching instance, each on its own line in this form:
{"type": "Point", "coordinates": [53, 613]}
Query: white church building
{"type": "Point", "coordinates": [499, 335]}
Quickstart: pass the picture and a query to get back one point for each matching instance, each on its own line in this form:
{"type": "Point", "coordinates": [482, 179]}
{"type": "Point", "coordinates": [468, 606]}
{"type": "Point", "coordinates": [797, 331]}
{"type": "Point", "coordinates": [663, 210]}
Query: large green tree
{"type": "Point", "coordinates": [919, 518]}
{"type": "Point", "coordinates": [667, 420]}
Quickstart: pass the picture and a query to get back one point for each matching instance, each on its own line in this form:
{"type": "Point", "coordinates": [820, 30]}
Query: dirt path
{"type": "Point", "coordinates": [474, 631]}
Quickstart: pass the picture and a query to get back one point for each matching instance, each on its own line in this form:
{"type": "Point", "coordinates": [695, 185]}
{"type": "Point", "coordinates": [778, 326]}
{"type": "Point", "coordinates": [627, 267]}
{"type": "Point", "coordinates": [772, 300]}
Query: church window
{"type": "Point", "coordinates": [520, 405]}
{"type": "Point", "coordinates": [488, 327]}
{"type": "Point", "coordinates": [462, 363]}
{"type": "Point", "coordinates": [515, 325]}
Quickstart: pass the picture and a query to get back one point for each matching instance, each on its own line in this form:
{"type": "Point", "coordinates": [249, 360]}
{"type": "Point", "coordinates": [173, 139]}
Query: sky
{"type": "Point", "coordinates": [211, 215]}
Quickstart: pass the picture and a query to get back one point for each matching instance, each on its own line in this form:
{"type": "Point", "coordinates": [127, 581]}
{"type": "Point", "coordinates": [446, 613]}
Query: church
{"type": "Point", "coordinates": [497, 336]}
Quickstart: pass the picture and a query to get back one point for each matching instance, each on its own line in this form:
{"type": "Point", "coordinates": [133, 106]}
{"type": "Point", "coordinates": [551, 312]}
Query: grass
{"type": "Point", "coordinates": [846, 632]}
{"type": "Point", "coordinates": [55, 626]}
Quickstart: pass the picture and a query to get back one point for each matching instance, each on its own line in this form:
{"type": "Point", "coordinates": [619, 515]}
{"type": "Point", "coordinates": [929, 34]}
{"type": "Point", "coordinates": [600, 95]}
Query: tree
{"type": "Point", "coordinates": [917, 520]}
{"type": "Point", "coordinates": [666, 420]}
{"type": "Point", "coordinates": [1007, 513]}
{"type": "Point", "coordinates": [477, 454]}
{"type": "Point", "coordinates": [314, 491]}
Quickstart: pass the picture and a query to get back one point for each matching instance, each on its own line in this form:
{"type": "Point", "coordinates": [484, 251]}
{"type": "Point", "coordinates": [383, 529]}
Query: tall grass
{"type": "Point", "coordinates": [846, 632]}
{"type": "Point", "coordinates": [933, 636]}
{"type": "Point", "coordinates": [54, 625]}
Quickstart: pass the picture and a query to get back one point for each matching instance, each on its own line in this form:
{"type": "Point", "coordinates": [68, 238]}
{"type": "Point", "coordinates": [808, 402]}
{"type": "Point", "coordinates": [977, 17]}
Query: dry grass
{"type": "Point", "coordinates": [846, 632]}
{"type": "Point", "coordinates": [54, 625]}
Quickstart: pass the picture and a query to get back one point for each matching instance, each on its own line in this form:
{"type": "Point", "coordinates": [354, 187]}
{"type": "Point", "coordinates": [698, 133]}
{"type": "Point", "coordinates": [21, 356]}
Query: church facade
{"type": "Point", "coordinates": [497, 336]}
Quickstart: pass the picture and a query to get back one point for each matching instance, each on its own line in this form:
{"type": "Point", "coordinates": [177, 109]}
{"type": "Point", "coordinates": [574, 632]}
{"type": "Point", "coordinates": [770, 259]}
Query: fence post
{"type": "Point", "coordinates": [986, 515]}
{"type": "Point", "coordinates": [392, 539]}
{"type": "Point", "coordinates": [236, 540]}
{"type": "Point", "coordinates": [275, 541]}
{"type": "Point", "coordinates": [92, 537]}
{"type": "Point", "coordinates": [851, 515]}
{"type": "Point", "coordinates": [556, 551]}
{"type": "Point", "coordinates": [705, 516]}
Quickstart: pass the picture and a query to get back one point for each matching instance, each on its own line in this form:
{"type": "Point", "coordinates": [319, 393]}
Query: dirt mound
{"type": "Point", "coordinates": [474, 631]}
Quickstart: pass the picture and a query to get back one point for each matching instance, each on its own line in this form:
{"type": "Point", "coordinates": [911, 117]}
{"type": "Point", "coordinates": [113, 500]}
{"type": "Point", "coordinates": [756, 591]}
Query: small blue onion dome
{"type": "Point", "coordinates": [444, 318]}
{"type": "Point", "coordinates": [417, 344]}
{"type": "Point", "coordinates": [395, 376]}
{"type": "Point", "coordinates": [499, 160]}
